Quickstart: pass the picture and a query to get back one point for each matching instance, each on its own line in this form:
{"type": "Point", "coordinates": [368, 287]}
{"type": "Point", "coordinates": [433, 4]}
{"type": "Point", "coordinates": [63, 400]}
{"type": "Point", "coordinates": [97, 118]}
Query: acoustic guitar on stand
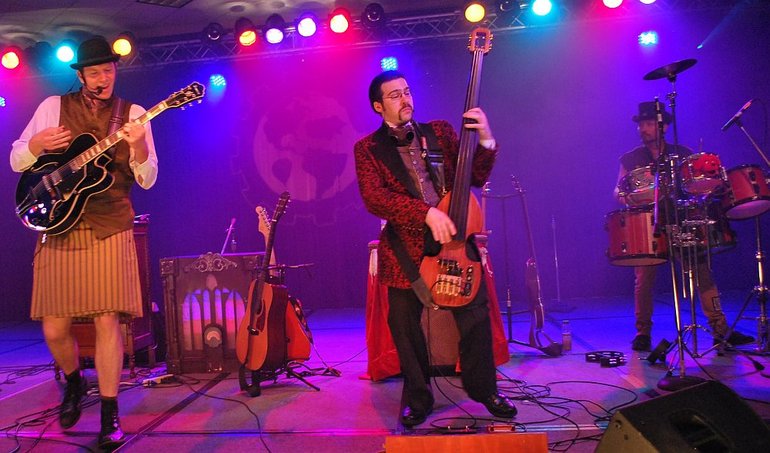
{"type": "Point", "coordinates": [454, 278]}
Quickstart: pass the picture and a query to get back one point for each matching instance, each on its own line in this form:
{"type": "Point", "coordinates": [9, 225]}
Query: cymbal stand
{"type": "Point", "coordinates": [668, 164]}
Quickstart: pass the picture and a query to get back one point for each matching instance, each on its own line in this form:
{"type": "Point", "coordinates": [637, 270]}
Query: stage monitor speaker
{"type": "Point", "coordinates": [707, 417]}
{"type": "Point", "coordinates": [205, 299]}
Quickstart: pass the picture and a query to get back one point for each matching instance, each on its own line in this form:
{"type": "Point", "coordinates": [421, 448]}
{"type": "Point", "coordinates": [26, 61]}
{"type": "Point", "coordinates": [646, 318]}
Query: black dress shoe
{"type": "Point", "coordinates": [641, 343]}
{"type": "Point", "coordinates": [500, 406]}
{"type": "Point", "coordinates": [735, 339]}
{"type": "Point", "coordinates": [71, 407]}
{"type": "Point", "coordinates": [413, 417]}
{"type": "Point", "coordinates": [111, 436]}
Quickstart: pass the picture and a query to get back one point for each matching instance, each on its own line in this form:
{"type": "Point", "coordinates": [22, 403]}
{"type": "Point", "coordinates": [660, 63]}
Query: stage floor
{"type": "Point", "coordinates": [565, 397]}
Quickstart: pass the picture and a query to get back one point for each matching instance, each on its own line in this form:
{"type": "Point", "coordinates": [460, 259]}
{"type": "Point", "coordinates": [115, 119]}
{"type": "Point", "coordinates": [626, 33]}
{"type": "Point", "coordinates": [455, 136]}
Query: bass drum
{"type": "Point", "coordinates": [632, 239]}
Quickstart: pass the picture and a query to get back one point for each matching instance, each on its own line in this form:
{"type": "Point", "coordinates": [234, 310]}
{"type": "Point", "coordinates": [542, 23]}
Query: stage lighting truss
{"type": "Point", "coordinates": [403, 29]}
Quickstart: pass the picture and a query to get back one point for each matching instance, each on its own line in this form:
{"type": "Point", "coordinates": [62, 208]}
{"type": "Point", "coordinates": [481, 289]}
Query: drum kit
{"type": "Point", "coordinates": [681, 207]}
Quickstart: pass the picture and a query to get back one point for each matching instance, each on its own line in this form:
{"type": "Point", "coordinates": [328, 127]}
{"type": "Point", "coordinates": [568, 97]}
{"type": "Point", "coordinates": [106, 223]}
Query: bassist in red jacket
{"type": "Point", "coordinates": [404, 168]}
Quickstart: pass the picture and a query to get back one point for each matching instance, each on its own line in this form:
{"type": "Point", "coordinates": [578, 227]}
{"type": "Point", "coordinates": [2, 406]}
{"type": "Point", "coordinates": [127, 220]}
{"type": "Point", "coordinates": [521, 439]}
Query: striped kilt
{"type": "Point", "coordinates": [78, 275]}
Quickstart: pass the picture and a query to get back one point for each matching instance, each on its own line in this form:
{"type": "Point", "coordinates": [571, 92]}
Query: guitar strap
{"type": "Point", "coordinates": [434, 157]}
{"type": "Point", "coordinates": [116, 120]}
{"type": "Point", "coordinates": [410, 269]}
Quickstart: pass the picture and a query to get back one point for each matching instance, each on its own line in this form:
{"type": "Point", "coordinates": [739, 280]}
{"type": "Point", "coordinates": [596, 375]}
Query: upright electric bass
{"type": "Point", "coordinates": [51, 195]}
{"type": "Point", "coordinates": [453, 277]}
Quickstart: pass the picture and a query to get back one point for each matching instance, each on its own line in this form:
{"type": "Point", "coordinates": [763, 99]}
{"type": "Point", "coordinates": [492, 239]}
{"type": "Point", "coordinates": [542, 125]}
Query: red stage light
{"type": "Point", "coordinates": [339, 21]}
{"type": "Point", "coordinates": [11, 58]}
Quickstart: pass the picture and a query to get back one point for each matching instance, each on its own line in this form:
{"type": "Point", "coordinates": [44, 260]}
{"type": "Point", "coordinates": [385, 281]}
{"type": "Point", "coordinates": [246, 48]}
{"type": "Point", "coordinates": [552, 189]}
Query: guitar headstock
{"type": "Point", "coordinates": [264, 221]}
{"type": "Point", "coordinates": [188, 94]}
{"type": "Point", "coordinates": [480, 40]}
{"type": "Point", "coordinates": [280, 208]}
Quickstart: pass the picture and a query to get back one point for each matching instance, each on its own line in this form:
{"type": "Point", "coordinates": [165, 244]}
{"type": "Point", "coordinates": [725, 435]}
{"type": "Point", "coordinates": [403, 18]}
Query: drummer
{"type": "Point", "coordinates": [648, 155]}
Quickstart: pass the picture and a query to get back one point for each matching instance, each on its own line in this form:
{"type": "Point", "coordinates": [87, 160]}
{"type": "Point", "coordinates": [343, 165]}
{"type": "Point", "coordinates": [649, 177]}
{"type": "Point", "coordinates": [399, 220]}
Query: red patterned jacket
{"type": "Point", "coordinates": [389, 193]}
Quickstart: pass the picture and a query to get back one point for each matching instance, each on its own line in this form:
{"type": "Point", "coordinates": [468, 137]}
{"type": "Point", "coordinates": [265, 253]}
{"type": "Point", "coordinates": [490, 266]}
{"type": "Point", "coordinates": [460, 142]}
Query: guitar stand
{"type": "Point", "coordinates": [259, 376]}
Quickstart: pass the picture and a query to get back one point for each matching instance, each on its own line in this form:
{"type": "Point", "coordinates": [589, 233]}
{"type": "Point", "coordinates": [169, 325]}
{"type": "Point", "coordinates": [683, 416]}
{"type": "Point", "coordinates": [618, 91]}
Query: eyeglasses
{"type": "Point", "coordinates": [396, 95]}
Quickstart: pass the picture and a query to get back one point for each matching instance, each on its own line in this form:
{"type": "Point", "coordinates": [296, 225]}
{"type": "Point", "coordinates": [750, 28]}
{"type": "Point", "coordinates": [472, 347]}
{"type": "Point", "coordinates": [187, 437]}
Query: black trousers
{"type": "Point", "coordinates": [476, 359]}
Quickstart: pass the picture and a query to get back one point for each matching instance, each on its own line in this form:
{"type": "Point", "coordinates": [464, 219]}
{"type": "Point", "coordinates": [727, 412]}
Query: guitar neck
{"type": "Point", "coordinates": [108, 142]}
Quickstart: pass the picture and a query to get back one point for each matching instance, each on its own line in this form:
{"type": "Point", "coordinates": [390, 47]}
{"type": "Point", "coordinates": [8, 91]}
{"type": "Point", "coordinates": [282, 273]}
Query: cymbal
{"type": "Point", "coordinates": [671, 69]}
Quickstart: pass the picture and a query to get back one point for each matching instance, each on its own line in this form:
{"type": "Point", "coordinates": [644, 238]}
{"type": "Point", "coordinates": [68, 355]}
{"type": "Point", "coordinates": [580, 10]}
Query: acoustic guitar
{"type": "Point", "coordinates": [453, 277]}
{"type": "Point", "coordinates": [260, 342]}
{"type": "Point", "coordinates": [52, 194]}
{"type": "Point", "coordinates": [298, 335]}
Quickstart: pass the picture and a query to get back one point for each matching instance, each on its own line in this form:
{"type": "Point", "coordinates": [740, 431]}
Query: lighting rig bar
{"type": "Point", "coordinates": [191, 48]}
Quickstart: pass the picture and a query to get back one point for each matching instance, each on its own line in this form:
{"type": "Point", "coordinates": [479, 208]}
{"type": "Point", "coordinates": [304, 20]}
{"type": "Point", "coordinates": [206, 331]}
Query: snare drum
{"type": "Point", "coordinates": [632, 242]}
{"type": "Point", "coordinates": [638, 186]}
{"type": "Point", "coordinates": [747, 194]}
{"type": "Point", "coordinates": [701, 173]}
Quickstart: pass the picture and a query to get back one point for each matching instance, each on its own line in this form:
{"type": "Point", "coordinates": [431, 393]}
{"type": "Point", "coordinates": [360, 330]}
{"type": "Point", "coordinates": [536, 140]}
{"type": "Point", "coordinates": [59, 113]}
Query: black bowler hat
{"type": "Point", "coordinates": [94, 51]}
{"type": "Point", "coordinates": [647, 112]}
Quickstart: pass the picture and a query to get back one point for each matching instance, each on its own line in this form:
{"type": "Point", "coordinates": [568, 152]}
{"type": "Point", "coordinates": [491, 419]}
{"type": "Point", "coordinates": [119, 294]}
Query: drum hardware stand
{"type": "Point", "coordinates": [760, 291]}
{"type": "Point", "coordinates": [532, 279]}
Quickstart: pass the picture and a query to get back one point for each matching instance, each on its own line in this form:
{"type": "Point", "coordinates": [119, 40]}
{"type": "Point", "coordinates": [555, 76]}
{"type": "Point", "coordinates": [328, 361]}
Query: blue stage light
{"type": "Point", "coordinates": [542, 7]}
{"type": "Point", "coordinates": [648, 38]}
{"type": "Point", "coordinates": [217, 80]}
{"type": "Point", "coordinates": [389, 64]}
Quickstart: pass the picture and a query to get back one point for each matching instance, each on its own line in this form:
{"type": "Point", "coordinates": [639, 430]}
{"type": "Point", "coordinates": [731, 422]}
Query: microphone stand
{"type": "Point", "coordinates": [760, 291]}
{"type": "Point", "coordinates": [227, 238]}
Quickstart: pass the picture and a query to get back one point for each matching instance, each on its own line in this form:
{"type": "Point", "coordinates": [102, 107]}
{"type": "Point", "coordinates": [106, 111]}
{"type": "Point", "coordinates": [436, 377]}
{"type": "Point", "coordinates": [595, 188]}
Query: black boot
{"type": "Point", "coordinates": [69, 411]}
{"type": "Point", "coordinates": [111, 435]}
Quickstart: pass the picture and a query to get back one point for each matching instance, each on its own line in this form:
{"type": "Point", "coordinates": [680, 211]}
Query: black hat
{"type": "Point", "coordinates": [94, 51]}
{"type": "Point", "coordinates": [647, 112]}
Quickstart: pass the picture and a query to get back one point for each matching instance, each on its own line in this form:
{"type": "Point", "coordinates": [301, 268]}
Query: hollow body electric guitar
{"type": "Point", "coordinates": [51, 195]}
{"type": "Point", "coordinates": [260, 342]}
{"type": "Point", "coordinates": [453, 277]}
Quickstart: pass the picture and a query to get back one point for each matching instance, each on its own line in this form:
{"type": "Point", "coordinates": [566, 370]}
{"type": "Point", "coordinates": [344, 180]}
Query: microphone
{"type": "Point", "coordinates": [658, 111]}
{"type": "Point", "coordinates": [737, 116]}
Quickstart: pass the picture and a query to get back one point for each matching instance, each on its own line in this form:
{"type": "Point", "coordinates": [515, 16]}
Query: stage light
{"type": "Point", "coordinates": [245, 32]}
{"type": "Point", "coordinates": [648, 38]}
{"type": "Point", "coordinates": [389, 64]}
{"type": "Point", "coordinates": [217, 80]}
{"type": "Point", "coordinates": [507, 10]}
{"type": "Point", "coordinates": [373, 17]}
{"type": "Point", "coordinates": [647, 2]}
{"type": "Point", "coordinates": [542, 7]}
{"type": "Point", "coordinates": [11, 58]}
{"type": "Point", "coordinates": [273, 30]}
{"type": "Point", "coordinates": [41, 55]}
{"type": "Point", "coordinates": [339, 22]}
{"type": "Point", "coordinates": [307, 25]}
{"type": "Point", "coordinates": [612, 3]}
{"type": "Point", "coordinates": [213, 32]}
{"type": "Point", "coordinates": [65, 51]}
{"type": "Point", "coordinates": [2, 101]}
{"type": "Point", "coordinates": [123, 45]}
{"type": "Point", "coordinates": [474, 12]}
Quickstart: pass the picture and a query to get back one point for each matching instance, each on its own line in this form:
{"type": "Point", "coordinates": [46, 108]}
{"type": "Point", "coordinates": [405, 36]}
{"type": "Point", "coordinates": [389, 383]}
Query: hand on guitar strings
{"type": "Point", "coordinates": [133, 132]}
{"type": "Point", "coordinates": [50, 139]}
{"type": "Point", "coordinates": [441, 226]}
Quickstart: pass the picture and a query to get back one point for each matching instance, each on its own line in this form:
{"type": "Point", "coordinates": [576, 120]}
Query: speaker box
{"type": "Point", "coordinates": [205, 299]}
{"type": "Point", "coordinates": [707, 417]}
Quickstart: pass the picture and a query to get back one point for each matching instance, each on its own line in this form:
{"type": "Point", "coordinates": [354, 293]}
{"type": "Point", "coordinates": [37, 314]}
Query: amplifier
{"type": "Point", "coordinates": [205, 299]}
